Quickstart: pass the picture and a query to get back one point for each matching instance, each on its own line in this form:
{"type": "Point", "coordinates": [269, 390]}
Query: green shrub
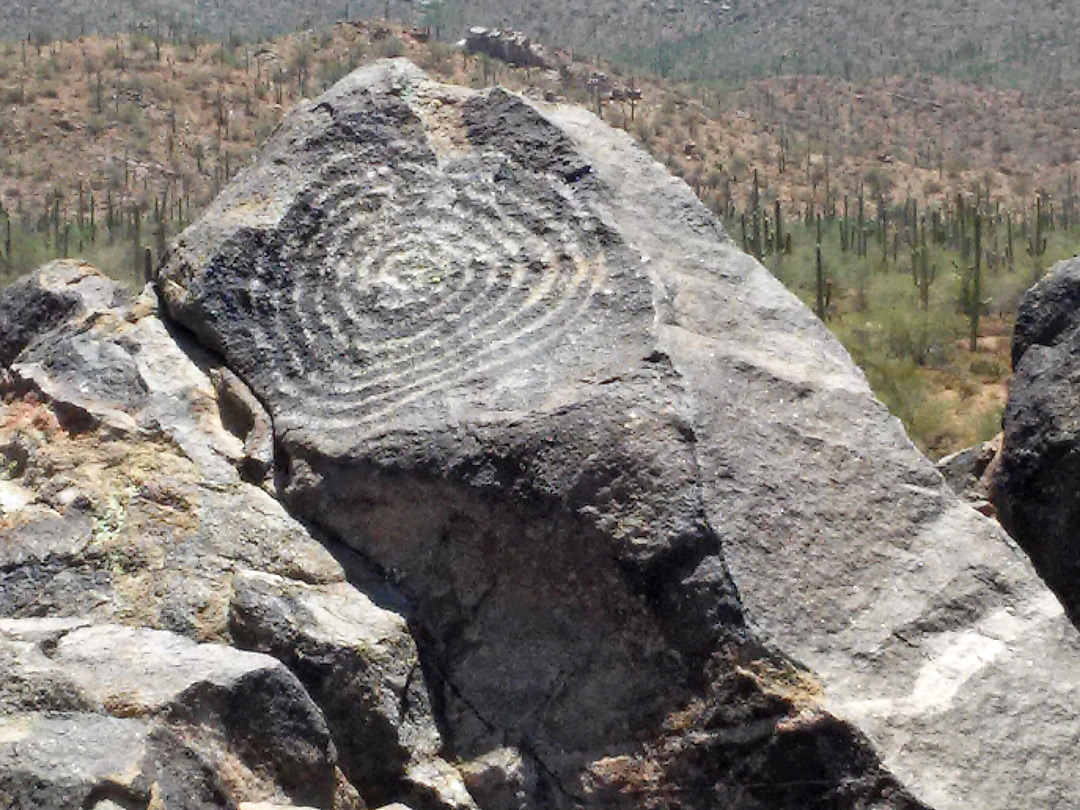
{"type": "Point", "coordinates": [391, 47]}
{"type": "Point", "coordinates": [989, 423]}
{"type": "Point", "coordinates": [921, 337]}
{"type": "Point", "coordinates": [982, 367]}
{"type": "Point", "coordinates": [438, 58]}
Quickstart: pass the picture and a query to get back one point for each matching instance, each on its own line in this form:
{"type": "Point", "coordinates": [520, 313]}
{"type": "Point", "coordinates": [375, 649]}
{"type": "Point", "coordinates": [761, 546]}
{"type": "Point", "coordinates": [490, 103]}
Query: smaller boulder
{"type": "Point", "coordinates": [502, 779]}
{"type": "Point", "coordinates": [36, 303]}
{"type": "Point", "coordinates": [119, 713]}
{"type": "Point", "coordinates": [970, 472]}
{"type": "Point", "coordinates": [1037, 480]}
{"type": "Point", "coordinates": [512, 47]}
{"type": "Point", "coordinates": [360, 663]}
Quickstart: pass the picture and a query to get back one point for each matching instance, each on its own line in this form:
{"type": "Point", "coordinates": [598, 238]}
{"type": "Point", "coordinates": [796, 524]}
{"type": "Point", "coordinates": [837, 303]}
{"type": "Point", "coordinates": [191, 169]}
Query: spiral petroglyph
{"type": "Point", "coordinates": [386, 302]}
{"type": "Point", "coordinates": [380, 288]}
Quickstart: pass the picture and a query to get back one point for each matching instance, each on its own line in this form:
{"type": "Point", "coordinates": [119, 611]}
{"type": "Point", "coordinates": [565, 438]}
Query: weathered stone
{"type": "Point", "coordinates": [611, 461]}
{"type": "Point", "coordinates": [360, 663]}
{"type": "Point", "coordinates": [123, 371]}
{"type": "Point", "coordinates": [32, 682]}
{"type": "Point", "coordinates": [970, 473]}
{"type": "Point", "coordinates": [610, 675]}
{"type": "Point", "coordinates": [127, 502]}
{"type": "Point", "coordinates": [41, 535]}
{"type": "Point", "coordinates": [503, 779]}
{"type": "Point", "coordinates": [233, 707]}
{"type": "Point", "coordinates": [60, 761]}
{"type": "Point", "coordinates": [136, 510]}
{"type": "Point", "coordinates": [512, 47]}
{"type": "Point", "coordinates": [1036, 483]}
{"type": "Point", "coordinates": [65, 761]}
{"type": "Point", "coordinates": [33, 305]}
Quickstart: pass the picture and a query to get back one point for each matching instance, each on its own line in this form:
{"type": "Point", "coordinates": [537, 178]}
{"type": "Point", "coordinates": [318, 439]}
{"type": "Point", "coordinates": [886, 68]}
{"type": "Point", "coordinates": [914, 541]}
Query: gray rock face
{"type": "Point", "coordinates": [136, 504]}
{"type": "Point", "coordinates": [970, 472]}
{"type": "Point", "coordinates": [512, 47]}
{"type": "Point", "coordinates": [1039, 474]}
{"type": "Point", "coordinates": [254, 699]}
{"type": "Point", "coordinates": [658, 538]}
{"type": "Point", "coordinates": [33, 305]}
{"type": "Point", "coordinates": [360, 663]}
{"type": "Point", "coordinates": [115, 713]}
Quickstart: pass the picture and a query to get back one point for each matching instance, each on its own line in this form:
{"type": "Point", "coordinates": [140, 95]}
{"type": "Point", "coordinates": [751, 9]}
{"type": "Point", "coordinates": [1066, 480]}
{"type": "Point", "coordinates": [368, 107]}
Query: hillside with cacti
{"type": "Point", "coordinates": [111, 145]}
{"type": "Point", "coordinates": [1007, 43]}
{"type": "Point", "coordinates": [143, 117]}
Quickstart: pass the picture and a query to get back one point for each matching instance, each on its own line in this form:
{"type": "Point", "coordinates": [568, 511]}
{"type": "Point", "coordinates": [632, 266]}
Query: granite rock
{"type": "Point", "coordinates": [111, 713]}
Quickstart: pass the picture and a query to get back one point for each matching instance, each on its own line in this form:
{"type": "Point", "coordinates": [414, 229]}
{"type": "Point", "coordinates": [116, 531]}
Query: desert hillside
{"type": "Point", "coordinates": [112, 144]}
{"type": "Point", "coordinates": [142, 116]}
{"type": "Point", "coordinates": [1004, 42]}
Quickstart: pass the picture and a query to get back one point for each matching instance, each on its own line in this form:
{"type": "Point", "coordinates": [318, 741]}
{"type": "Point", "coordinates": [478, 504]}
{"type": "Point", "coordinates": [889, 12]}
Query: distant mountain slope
{"type": "Point", "coordinates": [1006, 42]}
{"type": "Point", "coordinates": [1003, 41]}
{"type": "Point", "coordinates": [248, 19]}
{"type": "Point", "coordinates": [135, 121]}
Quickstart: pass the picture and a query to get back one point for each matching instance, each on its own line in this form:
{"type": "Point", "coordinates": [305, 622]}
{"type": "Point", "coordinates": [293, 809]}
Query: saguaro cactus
{"type": "Point", "coordinates": [819, 267]}
{"type": "Point", "coordinates": [974, 288]}
{"type": "Point", "coordinates": [922, 272]}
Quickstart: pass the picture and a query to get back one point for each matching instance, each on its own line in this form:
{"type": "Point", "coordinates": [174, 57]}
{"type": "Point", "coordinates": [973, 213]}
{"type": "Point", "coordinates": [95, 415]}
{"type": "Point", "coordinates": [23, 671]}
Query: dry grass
{"type": "Point", "coordinates": [127, 118]}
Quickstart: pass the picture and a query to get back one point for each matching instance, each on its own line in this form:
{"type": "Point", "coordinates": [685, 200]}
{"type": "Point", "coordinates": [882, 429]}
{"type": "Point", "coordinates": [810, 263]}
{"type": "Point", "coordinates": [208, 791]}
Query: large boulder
{"type": "Point", "coordinates": [1038, 478]}
{"type": "Point", "coordinates": [512, 47]}
{"type": "Point", "coordinates": [660, 542]}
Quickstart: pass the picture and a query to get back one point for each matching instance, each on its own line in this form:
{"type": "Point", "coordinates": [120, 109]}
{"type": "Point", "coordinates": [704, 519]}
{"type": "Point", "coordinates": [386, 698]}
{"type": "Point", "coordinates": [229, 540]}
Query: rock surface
{"type": "Point", "coordinates": [109, 712]}
{"type": "Point", "coordinates": [512, 47]}
{"type": "Point", "coordinates": [970, 472]}
{"type": "Point", "coordinates": [124, 502]}
{"type": "Point", "coordinates": [659, 542]}
{"type": "Point", "coordinates": [1037, 481]}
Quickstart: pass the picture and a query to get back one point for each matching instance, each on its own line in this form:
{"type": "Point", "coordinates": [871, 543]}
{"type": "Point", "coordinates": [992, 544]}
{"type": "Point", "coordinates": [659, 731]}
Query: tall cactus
{"type": "Point", "coordinates": [861, 235]}
{"type": "Point", "coordinates": [974, 288]}
{"type": "Point", "coordinates": [755, 204]}
{"type": "Point", "coordinates": [1037, 243]}
{"type": "Point", "coordinates": [819, 268]}
{"type": "Point", "coordinates": [923, 273]}
{"type": "Point", "coordinates": [844, 227]}
{"type": "Point", "coordinates": [1009, 239]}
{"type": "Point", "coordinates": [779, 233]}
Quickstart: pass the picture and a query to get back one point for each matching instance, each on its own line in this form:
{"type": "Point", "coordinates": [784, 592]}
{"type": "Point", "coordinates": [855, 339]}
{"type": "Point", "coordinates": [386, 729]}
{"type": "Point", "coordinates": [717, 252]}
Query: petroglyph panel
{"type": "Point", "coordinates": [457, 273]}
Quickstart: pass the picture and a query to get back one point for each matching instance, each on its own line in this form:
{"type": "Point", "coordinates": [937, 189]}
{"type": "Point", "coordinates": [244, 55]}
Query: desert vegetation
{"type": "Point", "coordinates": [935, 202]}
